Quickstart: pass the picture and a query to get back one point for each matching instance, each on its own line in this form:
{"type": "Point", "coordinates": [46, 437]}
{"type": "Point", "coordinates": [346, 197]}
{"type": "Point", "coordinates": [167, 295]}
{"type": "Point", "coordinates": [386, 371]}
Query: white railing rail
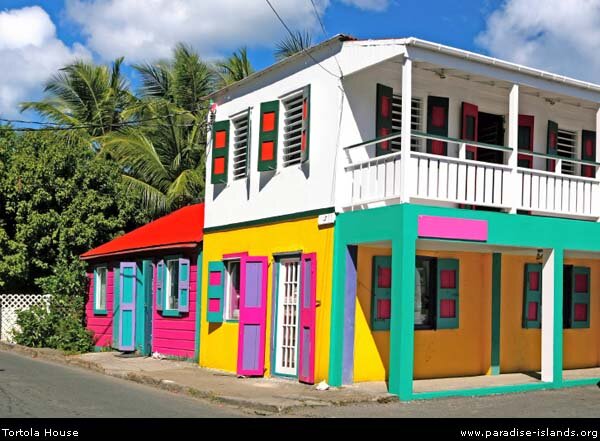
{"type": "Point", "coordinates": [457, 180]}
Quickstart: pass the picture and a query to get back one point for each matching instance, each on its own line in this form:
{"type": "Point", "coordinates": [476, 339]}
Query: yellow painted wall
{"type": "Point", "coordinates": [520, 349]}
{"type": "Point", "coordinates": [581, 347]}
{"type": "Point", "coordinates": [438, 353]}
{"type": "Point", "coordinates": [219, 341]}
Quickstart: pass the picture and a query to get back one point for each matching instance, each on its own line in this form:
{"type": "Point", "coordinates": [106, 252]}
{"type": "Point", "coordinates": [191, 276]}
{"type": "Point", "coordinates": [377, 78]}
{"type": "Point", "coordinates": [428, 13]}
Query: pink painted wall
{"type": "Point", "coordinates": [100, 325]}
{"type": "Point", "coordinates": [176, 336]}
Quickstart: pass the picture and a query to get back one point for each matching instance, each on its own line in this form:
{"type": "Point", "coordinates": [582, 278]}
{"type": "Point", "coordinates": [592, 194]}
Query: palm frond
{"type": "Point", "coordinates": [297, 42]}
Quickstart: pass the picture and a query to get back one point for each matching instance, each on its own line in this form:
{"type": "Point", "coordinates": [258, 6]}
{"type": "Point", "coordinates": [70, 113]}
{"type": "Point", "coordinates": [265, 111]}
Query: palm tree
{"type": "Point", "coordinates": [297, 42]}
{"type": "Point", "coordinates": [85, 95]}
{"type": "Point", "coordinates": [183, 81]}
{"type": "Point", "coordinates": [235, 68]}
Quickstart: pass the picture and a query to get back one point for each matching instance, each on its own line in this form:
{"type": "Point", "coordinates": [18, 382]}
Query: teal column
{"type": "Point", "coordinates": [402, 328]}
{"type": "Point", "coordinates": [336, 344]}
{"type": "Point", "coordinates": [496, 314]}
{"type": "Point", "coordinates": [198, 306]}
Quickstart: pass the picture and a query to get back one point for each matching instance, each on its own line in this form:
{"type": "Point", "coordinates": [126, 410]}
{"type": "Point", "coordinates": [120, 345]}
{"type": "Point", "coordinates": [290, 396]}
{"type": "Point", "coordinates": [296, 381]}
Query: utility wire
{"type": "Point", "coordinates": [312, 2]}
{"type": "Point", "coordinates": [294, 38]}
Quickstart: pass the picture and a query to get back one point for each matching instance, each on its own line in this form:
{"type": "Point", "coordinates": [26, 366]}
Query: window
{"type": "Point", "coordinates": [295, 127]}
{"type": "Point", "coordinates": [171, 285]}
{"type": "Point", "coordinates": [241, 136]}
{"type": "Point", "coordinates": [232, 290]}
{"type": "Point", "coordinates": [287, 317]}
{"type": "Point", "coordinates": [565, 146]}
{"type": "Point", "coordinates": [416, 118]}
{"type": "Point", "coordinates": [436, 293]}
{"type": "Point", "coordinates": [100, 276]}
{"type": "Point", "coordinates": [424, 292]}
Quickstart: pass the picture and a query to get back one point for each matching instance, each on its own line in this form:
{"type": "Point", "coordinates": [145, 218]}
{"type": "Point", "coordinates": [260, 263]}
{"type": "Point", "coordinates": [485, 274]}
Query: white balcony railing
{"type": "Point", "coordinates": [465, 182]}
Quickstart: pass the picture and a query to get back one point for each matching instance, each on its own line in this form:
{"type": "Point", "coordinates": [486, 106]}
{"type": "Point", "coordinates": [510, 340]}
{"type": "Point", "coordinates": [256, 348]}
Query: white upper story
{"type": "Point", "coordinates": [346, 93]}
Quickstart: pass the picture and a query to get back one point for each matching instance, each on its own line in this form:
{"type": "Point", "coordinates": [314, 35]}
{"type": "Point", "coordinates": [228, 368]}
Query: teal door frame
{"type": "Point", "coordinates": [143, 307]}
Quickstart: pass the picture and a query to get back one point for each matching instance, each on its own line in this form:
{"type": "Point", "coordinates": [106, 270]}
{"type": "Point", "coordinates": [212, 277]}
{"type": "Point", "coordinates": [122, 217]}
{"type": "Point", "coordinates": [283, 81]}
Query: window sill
{"type": "Point", "coordinates": [170, 313]}
{"type": "Point", "coordinates": [100, 312]}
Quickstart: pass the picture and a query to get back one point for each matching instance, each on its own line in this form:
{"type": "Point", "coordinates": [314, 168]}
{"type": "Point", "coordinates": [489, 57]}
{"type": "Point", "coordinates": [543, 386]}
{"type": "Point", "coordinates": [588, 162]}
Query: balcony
{"type": "Point", "coordinates": [457, 181]}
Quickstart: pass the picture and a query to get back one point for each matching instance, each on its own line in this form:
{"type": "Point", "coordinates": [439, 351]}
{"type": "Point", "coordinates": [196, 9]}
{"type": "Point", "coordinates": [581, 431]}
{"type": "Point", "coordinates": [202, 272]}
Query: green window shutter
{"type": "Point", "coordinates": [552, 144]}
{"type": "Point", "coordinates": [216, 292]}
{"type": "Point", "coordinates": [269, 129]}
{"type": "Point", "coordinates": [437, 123]}
{"type": "Point", "coordinates": [304, 146]}
{"type": "Point", "coordinates": [588, 152]}
{"type": "Point", "coordinates": [220, 152]}
{"type": "Point", "coordinates": [160, 293]}
{"type": "Point", "coordinates": [580, 298]}
{"type": "Point", "coordinates": [447, 294]}
{"type": "Point", "coordinates": [383, 119]}
{"type": "Point", "coordinates": [532, 297]}
{"type": "Point", "coordinates": [382, 293]}
{"type": "Point", "coordinates": [184, 286]}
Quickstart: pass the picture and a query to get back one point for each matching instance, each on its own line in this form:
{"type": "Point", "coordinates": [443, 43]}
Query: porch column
{"type": "Point", "coordinates": [496, 314]}
{"type": "Point", "coordinates": [402, 328]}
{"type": "Point", "coordinates": [552, 319]}
{"type": "Point", "coordinates": [513, 191]}
{"type": "Point", "coordinates": [406, 129]}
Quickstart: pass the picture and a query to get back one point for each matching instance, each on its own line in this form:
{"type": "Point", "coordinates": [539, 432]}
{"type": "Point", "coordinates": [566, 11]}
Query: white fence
{"type": "Point", "coordinates": [10, 305]}
{"type": "Point", "coordinates": [458, 180]}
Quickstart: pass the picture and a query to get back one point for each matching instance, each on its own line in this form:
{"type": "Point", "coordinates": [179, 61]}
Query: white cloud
{"type": "Point", "coordinates": [148, 29]}
{"type": "Point", "coordinates": [556, 35]}
{"type": "Point", "coordinates": [29, 53]}
{"type": "Point", "coordinates": [369, 5]}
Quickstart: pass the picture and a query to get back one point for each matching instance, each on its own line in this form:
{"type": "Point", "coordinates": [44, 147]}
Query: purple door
{"type": "Point", "coordinates": [253, 316]}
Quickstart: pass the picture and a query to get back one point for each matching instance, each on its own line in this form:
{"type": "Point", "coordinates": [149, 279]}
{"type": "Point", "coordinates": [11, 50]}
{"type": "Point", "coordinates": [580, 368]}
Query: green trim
{"type": "Point", "coordinates": [398, 224]}
{"type": "Point", "coordinates": [378, 293]}
{"type": "Point", "coordinates": [116, 303]}
{"type": "Point", "coordinates": [451, 294]}
{"type": "Point", "coordinates": [100, 311]}
{"type": "Point", "coordinates": [220, 178]}
{"type": "Point", "coordinates": [580, 298]}
{"type": "Point", "coordinates": [532, 296]}
{"type": "Point", "coordinates": [271, 136]}
{"type": "Point", "coordinates": [170, 313]}
{"type": "Point", "coordinates": [306, 124]}
{"type": "Point", "coordinates": [198, 305]}
{"type": "Point", "coordinates": [496, 311]}
{"type": "Point", "coordinates": [271, 220]}
{"type": "Point", "coordinates": [548, 156]}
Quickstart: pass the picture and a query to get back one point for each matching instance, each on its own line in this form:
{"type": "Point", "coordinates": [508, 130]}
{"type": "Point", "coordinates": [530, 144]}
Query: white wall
{"type": "Point", "coordinates": [287, 190]}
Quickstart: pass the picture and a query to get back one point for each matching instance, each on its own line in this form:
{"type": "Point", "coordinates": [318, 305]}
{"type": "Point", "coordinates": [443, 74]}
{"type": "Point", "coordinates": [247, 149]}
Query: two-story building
{"type": "Point", "coordinates": [340, 247]}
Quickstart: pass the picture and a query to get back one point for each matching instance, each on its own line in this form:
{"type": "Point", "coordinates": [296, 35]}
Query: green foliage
{"type": "Point", "coordinates": [295, 43]}
{"type": "Point", "coordinates": [235, 68]}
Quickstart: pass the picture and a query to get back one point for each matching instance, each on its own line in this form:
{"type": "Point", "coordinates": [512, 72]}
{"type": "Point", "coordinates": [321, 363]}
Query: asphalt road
{"type": "Point", "coordinates": [34, 388]}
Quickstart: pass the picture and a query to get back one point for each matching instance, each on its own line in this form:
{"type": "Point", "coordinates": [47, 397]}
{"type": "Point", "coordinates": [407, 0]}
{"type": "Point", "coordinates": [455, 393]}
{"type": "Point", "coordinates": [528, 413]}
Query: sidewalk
{"type": "Point", "coordinates": [257, 394]}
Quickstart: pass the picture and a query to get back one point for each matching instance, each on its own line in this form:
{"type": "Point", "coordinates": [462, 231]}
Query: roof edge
{"type": "Point", "coordinates": [140, 249]}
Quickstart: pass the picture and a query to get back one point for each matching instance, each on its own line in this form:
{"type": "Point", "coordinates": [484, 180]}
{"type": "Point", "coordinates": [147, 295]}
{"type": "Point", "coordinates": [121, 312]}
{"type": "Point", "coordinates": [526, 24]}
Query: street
{"type": "Point", "coordinates": [33, 388]}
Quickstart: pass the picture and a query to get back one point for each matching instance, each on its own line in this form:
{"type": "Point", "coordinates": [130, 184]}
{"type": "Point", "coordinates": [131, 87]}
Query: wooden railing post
{"type": "Point", "coordinates": [513, 191]}
{"type": "Point", "coordinates": [405, 190]}
{"type": "Point", "coordinates": [462, 150]}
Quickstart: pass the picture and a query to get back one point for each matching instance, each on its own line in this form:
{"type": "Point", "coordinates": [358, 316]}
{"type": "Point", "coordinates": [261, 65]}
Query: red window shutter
{"type": "Point", "coordinates": [588, 153]}
{"type": "Point", "coordinates": [220, 152]}
{"type": "Point", "coordinates": [470, 127]}
{"type": "Point", "coordinates": [526, 127]}
{"type": "Point", "coordinates": [437, 124]}
{"type": "Point", "coordinates": [269, 129]}
{"type": "Point", "coordinates": [383, 120]}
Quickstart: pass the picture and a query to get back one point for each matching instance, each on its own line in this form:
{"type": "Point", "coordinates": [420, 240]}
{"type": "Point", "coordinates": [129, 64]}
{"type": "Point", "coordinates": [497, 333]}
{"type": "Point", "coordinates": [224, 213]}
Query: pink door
{"type": "Point", "coordinates": [308, 303]}
{"type": "Point", "coordinates": [253, 316]}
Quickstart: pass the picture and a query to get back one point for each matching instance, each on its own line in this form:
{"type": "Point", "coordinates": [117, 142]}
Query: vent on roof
{"type": "Point", "coordinates": [292, 128]}
{"type": "Point", "coordinates": [416, 119]}
{"type": "Point", "coordinates": [241, 136]}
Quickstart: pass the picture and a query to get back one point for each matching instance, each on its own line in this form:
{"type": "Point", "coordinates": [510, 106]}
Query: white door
{"type": "Point", "coordinates": [286, 340]}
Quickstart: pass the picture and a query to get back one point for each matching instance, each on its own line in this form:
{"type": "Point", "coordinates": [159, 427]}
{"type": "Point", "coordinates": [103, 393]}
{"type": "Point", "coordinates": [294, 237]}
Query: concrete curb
{"type": "Point", "coordinates": [56, 356]}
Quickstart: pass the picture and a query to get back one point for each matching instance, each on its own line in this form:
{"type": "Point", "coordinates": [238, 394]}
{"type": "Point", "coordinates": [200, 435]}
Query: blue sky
{"type": "Point", "coordinates": [38, 37]}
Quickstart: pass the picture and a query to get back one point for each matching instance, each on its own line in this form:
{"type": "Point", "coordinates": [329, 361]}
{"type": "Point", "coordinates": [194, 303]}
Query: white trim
{"type": "Point", "coordinates": [227, 315]}
{"type": "Point", "coordinates": [170, 296]}
{"type": "Point", "coordinates": [100, 293]}
{"type": "Point", "coordinates": [288, 301]}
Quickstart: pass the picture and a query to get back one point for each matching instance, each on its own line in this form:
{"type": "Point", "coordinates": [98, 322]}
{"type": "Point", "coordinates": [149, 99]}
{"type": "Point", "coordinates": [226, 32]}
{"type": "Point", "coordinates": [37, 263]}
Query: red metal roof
{"type": "Point", "coordinates": [180, 229]}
